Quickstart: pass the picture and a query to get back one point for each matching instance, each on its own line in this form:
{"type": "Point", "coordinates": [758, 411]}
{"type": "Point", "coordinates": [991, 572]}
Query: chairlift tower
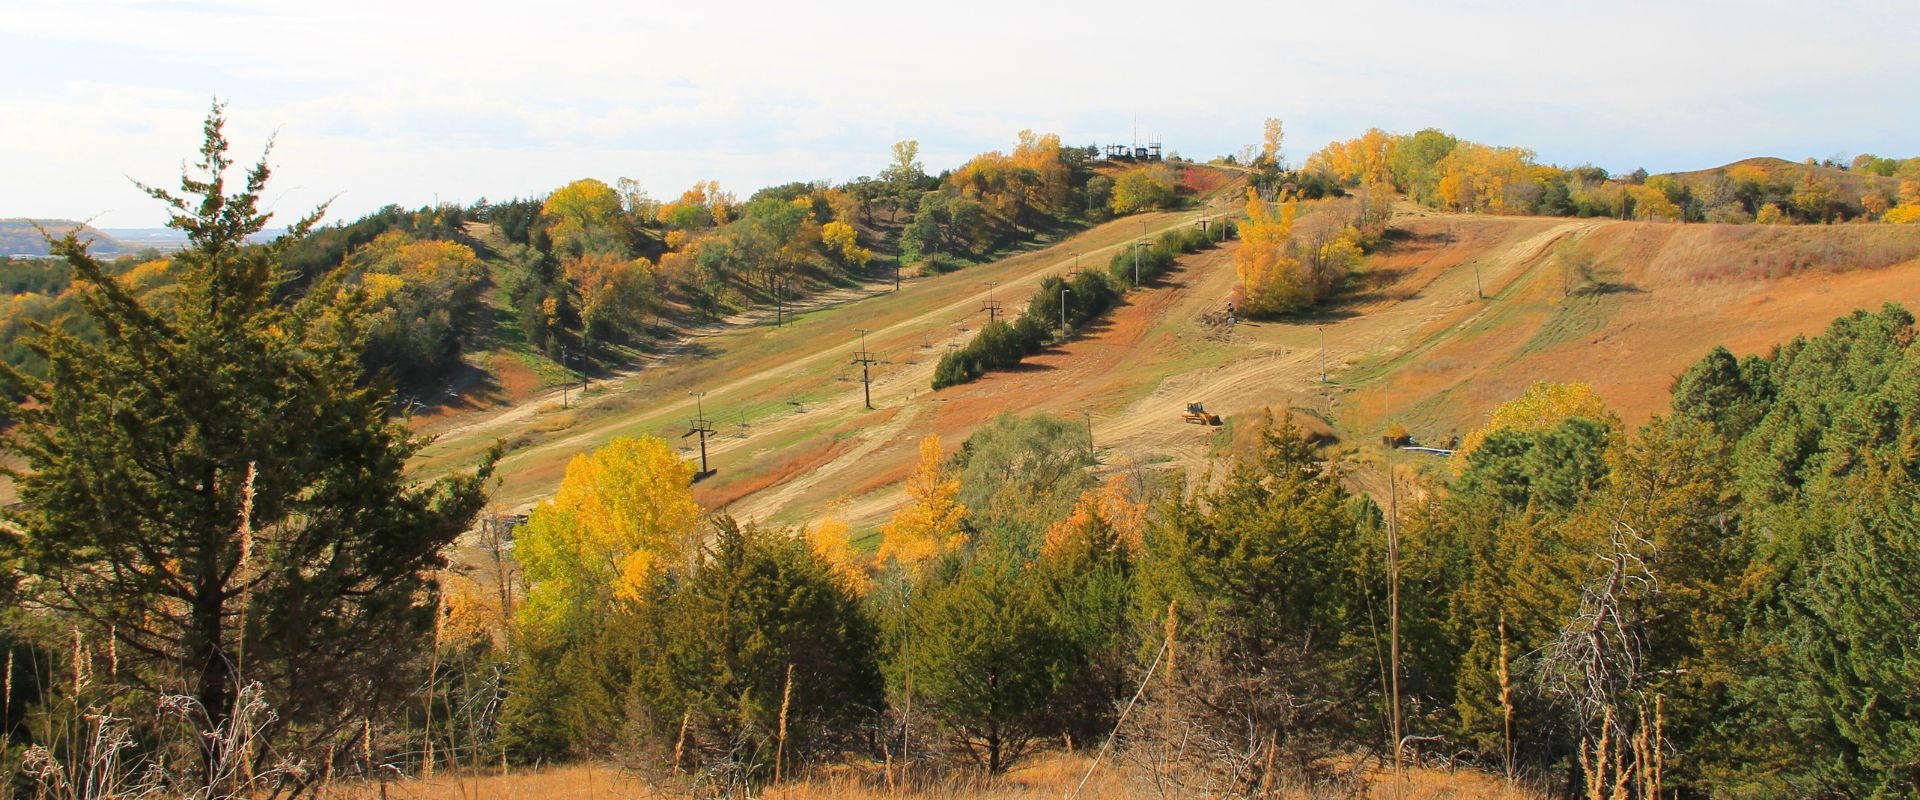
{"type": "Point", "coordinates": [865, 359]}
{"type": "Point", "coordinates": [992, 306]}
{"type": "Point", "coordinates": [702, 427]}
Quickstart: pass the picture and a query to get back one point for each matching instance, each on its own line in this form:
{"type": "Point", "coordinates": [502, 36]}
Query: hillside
{"type": "Point", "coordinates": [1621, 305]}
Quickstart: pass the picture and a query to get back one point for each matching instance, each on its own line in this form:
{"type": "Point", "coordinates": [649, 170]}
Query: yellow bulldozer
{"type": "Point", "coordinates": [1197, 414]}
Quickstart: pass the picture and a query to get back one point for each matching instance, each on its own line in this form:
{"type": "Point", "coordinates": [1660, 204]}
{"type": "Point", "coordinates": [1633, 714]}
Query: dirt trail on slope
{"type": "Point", "coordinates": [925, 309]}
{"type": "Point", "coordinates": [1134, 373]}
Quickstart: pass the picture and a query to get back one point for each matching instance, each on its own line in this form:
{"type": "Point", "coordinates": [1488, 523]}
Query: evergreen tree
{"type": "Point", "coordinates": [761, 649]}
{"type": "Point", "coordinates": [212, 485]}
{"type": "Point", "coordinates": [985, 660]}
{"type": "Point", "coordinates": [1262, 574]}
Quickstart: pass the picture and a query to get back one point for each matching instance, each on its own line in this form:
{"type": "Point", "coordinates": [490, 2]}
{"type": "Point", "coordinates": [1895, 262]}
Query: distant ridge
{"type": "Point", "coordinates": [18, 237]}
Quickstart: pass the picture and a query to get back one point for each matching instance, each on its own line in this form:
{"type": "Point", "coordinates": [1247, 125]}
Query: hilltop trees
{"type": "Point", "coordinates": [212, 488]}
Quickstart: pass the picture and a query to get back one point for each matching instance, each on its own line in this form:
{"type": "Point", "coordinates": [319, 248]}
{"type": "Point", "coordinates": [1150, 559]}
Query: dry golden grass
{"type": "Point", "coordinates": [1045, 777]}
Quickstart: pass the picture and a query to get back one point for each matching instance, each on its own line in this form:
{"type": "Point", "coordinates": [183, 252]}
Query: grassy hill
{"type": "Point", "coordinates": [1621, 305]}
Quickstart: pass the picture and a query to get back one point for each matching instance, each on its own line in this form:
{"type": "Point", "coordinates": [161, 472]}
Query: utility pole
{"type": "Point", "coordinates": [1063, 306]}
{"type": "Point", "coordinates": [1091, 453]}
{"type": "Point", "coordinates": [585, 357]}
{"type": "Point", "coordinates": [992, 307]}
{"type": "Point", "coordinates": [1393, 607]}
{"type": "Point", "coordinates": [1323, 353]}
{"type": "Point", "coordinates": [1136, 261]}
{"type": "Point", "coordinates": [864, 358]}
{"type": "Point", "coordinates": [565, 383]}
{"type": "Point", "coordinates": [702, 426]}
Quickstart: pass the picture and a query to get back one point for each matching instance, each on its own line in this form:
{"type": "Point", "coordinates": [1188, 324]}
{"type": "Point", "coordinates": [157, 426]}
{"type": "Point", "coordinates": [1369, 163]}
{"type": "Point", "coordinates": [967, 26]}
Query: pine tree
{"type": "Point", "coordinates": [213, 484]}
{"type": "Point", "coordinates": [986, 660]}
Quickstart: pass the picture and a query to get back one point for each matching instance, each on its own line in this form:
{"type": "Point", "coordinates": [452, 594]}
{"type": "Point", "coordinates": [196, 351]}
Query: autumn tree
{"type": "Point", "coordinates": [213, 488]}
{"type": "Point", "coordinates": [929, 525]}
{"type": "Point", "coordinates": [585, 216]}
{"type": "Point", "coordinates": [1142, 189]}
{"type": "Point", "coordinates": [1268, 271]}
{"type": "Point", "coordinates": [828, 538]}
{"type": "Point", "coordinates": [1543, 406]}
{"type": "Point", "coordinates": [844, 242]}
{"type": "Point", "coordinates": [622, 513]}
{"type": "Point", "coordinates": [616, 295]}
{"type": "Point", "coordinates": [423, 298]}
{"type": "Point", "coordinates": [903, 176]}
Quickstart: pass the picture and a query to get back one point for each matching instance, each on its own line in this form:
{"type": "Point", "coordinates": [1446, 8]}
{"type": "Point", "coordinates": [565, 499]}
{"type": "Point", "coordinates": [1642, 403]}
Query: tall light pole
{"type": "Point", "coordinates": [1136, 261]}
{"type": "Point", "coordinates": [1064, 291]}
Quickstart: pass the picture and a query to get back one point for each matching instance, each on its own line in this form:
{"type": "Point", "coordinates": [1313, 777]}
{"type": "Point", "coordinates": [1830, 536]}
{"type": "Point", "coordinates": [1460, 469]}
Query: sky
{"type": "Point", "coordinates": [412, 103]}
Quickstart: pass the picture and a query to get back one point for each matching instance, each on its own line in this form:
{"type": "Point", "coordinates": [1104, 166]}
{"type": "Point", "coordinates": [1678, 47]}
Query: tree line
{"type": "Point", "coordinates": [1063, 305]}
{"type": "Point", "coordinates": [1446, 172]}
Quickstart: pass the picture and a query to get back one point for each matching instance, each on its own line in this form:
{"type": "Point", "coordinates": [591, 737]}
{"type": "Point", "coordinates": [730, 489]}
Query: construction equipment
{"type": "Point", "coordinates": [1198, 415]}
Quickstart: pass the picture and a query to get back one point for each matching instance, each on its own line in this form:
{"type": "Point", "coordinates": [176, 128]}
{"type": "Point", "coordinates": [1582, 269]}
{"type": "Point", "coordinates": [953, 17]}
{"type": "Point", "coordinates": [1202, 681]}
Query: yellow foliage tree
{"type": "Point", "coordinates": [930, 525]}
{"type": "Point", "coordinates": [1269, 274]}
{"type": "Point", "coordinates": [1650, 203]}
{"type": "Point", "coordinates": [1905, 214]}
{"type": "Point", "coordinates": [1361, 161]}
{"type": "Point", "coordinates": [830, 540]}
{"type": "Point", "coordinates": [621, 512]}
{"type": "Point", "coordinates": [1544, 406]}
{"type": "Point", "coordinates": [1494, 180]}
{"type": "Point", "coordinates": [1271, 136]}
{"type": "Point", "coordinates": [841, 238]}
{"type": "Point", "coordinates": [585, 216]}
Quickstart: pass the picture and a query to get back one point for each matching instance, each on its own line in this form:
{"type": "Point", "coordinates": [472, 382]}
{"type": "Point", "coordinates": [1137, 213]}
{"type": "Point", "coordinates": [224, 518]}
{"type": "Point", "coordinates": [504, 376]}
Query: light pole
{"type": "Point", "coordinates": [565, 384]}
{"type": "Point", "coordinates": [1136, 261]}
{"type": "Point", "coordinates": [1064, 291]}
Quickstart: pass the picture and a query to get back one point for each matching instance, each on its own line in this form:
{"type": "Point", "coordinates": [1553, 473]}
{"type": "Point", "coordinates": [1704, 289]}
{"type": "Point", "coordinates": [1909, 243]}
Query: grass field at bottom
{"type": "Point", "coordinates": [1050, 776]}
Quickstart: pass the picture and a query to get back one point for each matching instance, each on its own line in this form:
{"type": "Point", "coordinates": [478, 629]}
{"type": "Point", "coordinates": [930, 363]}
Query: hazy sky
{"type": "Point", "coordinates": [403, 102]}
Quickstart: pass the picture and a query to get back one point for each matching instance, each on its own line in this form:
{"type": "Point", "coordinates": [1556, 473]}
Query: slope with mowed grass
{"type": "Point", "coordinates": [1454, 315]}
{"type": "Point", "coordinates": [1625, 307]}
{"type": "Point", "coordinates": [771, 390]}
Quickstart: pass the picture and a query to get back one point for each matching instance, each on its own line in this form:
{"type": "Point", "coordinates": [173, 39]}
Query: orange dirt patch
{"type": "Point", "coordinates": [718, 496]}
